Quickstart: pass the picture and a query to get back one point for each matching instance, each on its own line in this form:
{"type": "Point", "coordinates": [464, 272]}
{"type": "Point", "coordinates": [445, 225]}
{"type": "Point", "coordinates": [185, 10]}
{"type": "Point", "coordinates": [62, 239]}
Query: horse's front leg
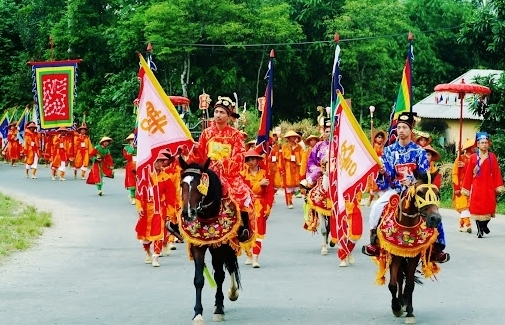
{"type": "Point", "coordinates": [324, 231]}
{"type": "Point", "coordinates": [199, 259]}
{"type": "Point", "coordinates": [409, 289]}
{"type": "Point", "coordinates": [217, 265]}
{"type": "Point", "coordinates": [396, 305]}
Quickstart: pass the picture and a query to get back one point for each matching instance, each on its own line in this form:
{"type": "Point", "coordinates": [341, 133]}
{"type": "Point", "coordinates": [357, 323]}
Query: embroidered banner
{"type": "Point", "coordinates": [54, 87]}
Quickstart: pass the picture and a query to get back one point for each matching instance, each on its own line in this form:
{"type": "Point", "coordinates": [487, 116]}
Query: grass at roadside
{"type": "Point", "coordinates": [20, 225]}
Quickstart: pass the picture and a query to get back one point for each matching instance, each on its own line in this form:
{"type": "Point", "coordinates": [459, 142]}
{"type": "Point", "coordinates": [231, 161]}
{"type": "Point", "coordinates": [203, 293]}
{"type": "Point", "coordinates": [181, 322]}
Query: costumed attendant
{"type": "Point", "coordinates": [224, 145]}
{"type": "Point", "coordinates": [379, 140]}
{"type": "Point", "coordinates": [69, 139]}
{"type": "Point", "coordinates": [256, 178]}
{"type": "Point", "coordinates": [151, 206]}
{"type": "Point", "coordinates": [460, 201]}
{"type": "Point", "coordinates": [318, 152]}
{"type": "Point", "coordinates": [310, 142]}
{"type": "Point", "coordinates": [433, 156]}
{"type": "Point", "coordinates": [250, 145]}
{"type": "Point", "coordinates": [130, 155]}
{"type": "Point", "coordinates": [82, 145]}
{"type": "Point", "coordinates": [31, 149]}
{"type": "Point", "coordinates": [59, 155]}
{"type": "Point", "coordinates": [102, 164]}
{"type": "Point", "coordinates": [291, 160]}
{"type": "Point", "coordinates": [273, 162]}
{"type": "Point", "coordinates": [13, 152]}
{"type": "Point", "coordinates": [483, 180]}
{"type": "Point", "coordinates": [173, 202]}
{"type": "Point", "coordinates": [423, 139]}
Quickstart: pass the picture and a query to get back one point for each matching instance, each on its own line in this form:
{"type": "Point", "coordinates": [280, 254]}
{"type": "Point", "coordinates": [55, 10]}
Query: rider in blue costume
{"type": "Point", "coordinates": [400, 160]}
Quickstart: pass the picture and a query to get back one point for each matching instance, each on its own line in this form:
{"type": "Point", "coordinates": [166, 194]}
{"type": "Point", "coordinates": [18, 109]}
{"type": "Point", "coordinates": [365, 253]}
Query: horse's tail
{"type": "Point", "coordinates": [231, 263]}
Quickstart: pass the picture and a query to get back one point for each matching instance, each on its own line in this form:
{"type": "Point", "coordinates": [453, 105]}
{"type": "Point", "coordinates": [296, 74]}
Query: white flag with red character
{"type": "Point", "coordinates": [352, 159]}
{"type": "Point", "coordinates": [159, 126]}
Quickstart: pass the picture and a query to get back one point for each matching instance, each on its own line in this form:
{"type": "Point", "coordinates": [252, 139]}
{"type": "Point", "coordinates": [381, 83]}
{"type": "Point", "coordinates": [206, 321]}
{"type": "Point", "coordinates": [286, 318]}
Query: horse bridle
{"type": "Point", "coordinates": [429, 198]}
{"type": "Point", "coordinates": [201, 206]}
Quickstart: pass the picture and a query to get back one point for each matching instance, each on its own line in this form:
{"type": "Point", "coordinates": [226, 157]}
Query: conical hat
{"type": "Point", "coordinates": [62, 129]}
{"type": "Point", "coordinates": [103, 139]}
{"type": "Point", "coordinates": [292, 133]}
{"type": "Point", "coordinates": [130, 137]}
{"type": "Point", "coordinates": [310, 137]}
{"type": "Point", "coordinates": [12, 124]}
{"type": "Point", "coordinates": [252, 153]}
{"type": "Point", "coordinates": [31, 125]}
{"type": "Point", "coordinates": [82, 127]}
{"type": "Point", "coordinates": [252, 142]}
{"type": "Point", "coordinates": [163, 155]}
{"type": "Point", "coordinates": [468, 143]}
{"type": "Point", "coordinates": [435, 155]}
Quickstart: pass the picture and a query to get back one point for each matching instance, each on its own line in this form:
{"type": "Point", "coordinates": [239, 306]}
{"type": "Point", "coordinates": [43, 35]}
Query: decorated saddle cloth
{"type": "Point", "coordinates": [214, 232]}
{"type": "Point", "coordinates": [399, 240]}
{"type": "Point", "coordinates": [318, 201]}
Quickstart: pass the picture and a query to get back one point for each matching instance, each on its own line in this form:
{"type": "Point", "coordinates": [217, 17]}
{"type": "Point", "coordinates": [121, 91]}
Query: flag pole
{"type": "Point", "coordinates": [411, 93]}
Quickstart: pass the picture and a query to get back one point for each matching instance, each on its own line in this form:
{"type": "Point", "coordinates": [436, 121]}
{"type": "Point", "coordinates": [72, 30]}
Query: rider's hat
{"type": "Point", "coordinates": [227, 104]}
{"type": "Point", "coordinates": [408, 118]}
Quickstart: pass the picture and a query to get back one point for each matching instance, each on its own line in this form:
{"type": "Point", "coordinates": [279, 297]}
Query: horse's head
{"type": "Point", "coordinates": [423, 199]}
{"type": "Point", "coordinates": [201, 191]}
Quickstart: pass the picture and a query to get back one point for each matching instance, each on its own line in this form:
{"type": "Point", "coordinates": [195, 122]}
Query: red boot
{"type": "Point", "coordinates": [373, 248]}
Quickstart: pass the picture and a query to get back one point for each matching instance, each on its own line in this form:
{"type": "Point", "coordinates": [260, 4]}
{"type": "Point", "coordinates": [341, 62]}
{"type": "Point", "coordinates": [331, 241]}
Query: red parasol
{"type": "Point", "coordinates": [462, 89]}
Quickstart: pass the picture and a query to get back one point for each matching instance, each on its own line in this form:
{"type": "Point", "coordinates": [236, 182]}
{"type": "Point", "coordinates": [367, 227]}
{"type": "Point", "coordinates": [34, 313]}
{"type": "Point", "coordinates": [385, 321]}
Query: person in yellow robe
{"type": "Point", "coordinates": [291, 161]}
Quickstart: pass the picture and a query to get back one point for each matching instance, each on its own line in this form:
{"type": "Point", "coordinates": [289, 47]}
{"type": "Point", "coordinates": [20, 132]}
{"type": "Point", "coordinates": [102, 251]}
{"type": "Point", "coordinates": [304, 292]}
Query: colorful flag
{"type": "Point", "coordinates": [55, 91]}
{"type": "Point", "coordinates": [265, 126]}
{"type": "Point", "coordinates": [352, 160]}
{"type": "Point", "coordinates": [336, 85]}
{"type": "Point", "coordinates": [4, 127]}
{"type": "Point", "coordinates": [159, 127]}
{"type": "Point", "coordinates": [21, 124]}
{"type": "Point", "coordinates": [404, 99]}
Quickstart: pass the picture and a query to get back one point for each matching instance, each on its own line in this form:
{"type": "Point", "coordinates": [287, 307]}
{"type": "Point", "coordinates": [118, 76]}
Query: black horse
{"type": "Point", "coordinates": [206, 207]}
{"type": "Point", "coordinates": [421, 201]}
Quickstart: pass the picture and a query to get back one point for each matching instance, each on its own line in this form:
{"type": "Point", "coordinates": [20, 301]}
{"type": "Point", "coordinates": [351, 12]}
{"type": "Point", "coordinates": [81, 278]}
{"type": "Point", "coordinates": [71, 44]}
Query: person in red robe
{"type": "Point", "coordinates": [433, 156]}
{"type": "Point", "coordinates": [224, 145]}
{"type": "Point", "coordinates": [483, 180]}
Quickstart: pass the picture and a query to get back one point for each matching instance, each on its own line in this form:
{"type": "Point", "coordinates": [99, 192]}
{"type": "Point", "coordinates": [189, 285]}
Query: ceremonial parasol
{"type": "Point", "coordinates": [462, 89]}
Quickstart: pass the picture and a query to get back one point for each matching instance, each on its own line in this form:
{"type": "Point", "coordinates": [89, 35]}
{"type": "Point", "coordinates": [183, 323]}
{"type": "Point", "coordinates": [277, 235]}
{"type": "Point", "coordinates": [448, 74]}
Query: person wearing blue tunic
{"type": "Point", "coordinates": [400, 160]}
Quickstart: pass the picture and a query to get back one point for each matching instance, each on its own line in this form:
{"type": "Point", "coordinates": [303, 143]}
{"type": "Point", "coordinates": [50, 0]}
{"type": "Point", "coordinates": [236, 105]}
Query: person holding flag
{"type": "Point", "coordinates": [225, 147]}
{"type": "Point", "coordinates": [399, 161]}
{"type": "Point", "coordinates": [31, 149]}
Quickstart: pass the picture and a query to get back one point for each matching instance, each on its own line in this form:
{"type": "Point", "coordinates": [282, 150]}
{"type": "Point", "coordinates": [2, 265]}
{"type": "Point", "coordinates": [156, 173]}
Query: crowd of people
{"type": "Point", "coordinates": [251, 177]}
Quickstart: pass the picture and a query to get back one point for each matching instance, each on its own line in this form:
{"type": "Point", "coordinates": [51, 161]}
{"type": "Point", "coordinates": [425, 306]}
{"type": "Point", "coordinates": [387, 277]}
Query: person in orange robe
{"type": "Point", "coordinates": [31, 149]}
{"type": "Point", "coordinates": [69, 139]}
{"type": "Point", "coordinates": [13, 151]}
{"type": "Point", "coordinates": [433, 156]}
{"type": "Point", "coordinates": [47, 147]}
{"type": "Point", "coordinates": [59, 156]}
{"type": "Point", "coordinates": [174, 202]}
{"type": "Point", "coordinates": [274, 162]}
{"type": "Point", "coordinates": [291, 160]}
{"type": "Point", "coordinates": [257, 180]}
{"type": "Point", "coordinates": [130, 155]}
{"type": "Point", "coordinates": [152, 207]}
{"type": "Point", "coordinates": [379, 140]}
{"type": "Point", "coordinates": [82, 147]}
{"type": "Point", "coordinates": [224, 145]}
{"type": "Point", "coordinates": [483, 180]}
{"type": "Point", "coordinates": [460, 201]}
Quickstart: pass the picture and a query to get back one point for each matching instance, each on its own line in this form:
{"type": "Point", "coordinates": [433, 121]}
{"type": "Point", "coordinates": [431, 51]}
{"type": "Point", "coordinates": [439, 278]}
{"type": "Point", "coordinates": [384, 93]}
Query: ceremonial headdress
{"type": "Point", "coordinates": [251, 153]}
{"type": "Point", "coordinates": [227, 104]}
{"type": "Point", "coordinates": [130, 137]}
{"type": "Point", "coordinates": [408, 118]}
{"type": "Point", "coordinates": [310, 137]}
{"type": "Point", "coordinates": [104, 139]}
{"type": "Point", "coordinates": [292, 133]}
{"type": "Point", "coordinates": [83, 127]}
{"type": "Point", "coordinates": [31, 125]}
{"type": "Point", "coordinates": [434, 154]}
{"type": "Point", "coordinates": [482, 136]}
{"type": "Point", "coordinates": [468, 144]}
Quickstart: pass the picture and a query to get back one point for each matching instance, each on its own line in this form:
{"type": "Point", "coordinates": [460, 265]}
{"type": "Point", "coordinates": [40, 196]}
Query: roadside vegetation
{"type": "Point", "coordinates": [20, 225]}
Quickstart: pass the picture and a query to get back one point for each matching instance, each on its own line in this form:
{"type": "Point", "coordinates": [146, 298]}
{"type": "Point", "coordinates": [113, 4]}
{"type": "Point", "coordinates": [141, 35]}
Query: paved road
{"type": "Point", "coordinates": [89, 269]}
